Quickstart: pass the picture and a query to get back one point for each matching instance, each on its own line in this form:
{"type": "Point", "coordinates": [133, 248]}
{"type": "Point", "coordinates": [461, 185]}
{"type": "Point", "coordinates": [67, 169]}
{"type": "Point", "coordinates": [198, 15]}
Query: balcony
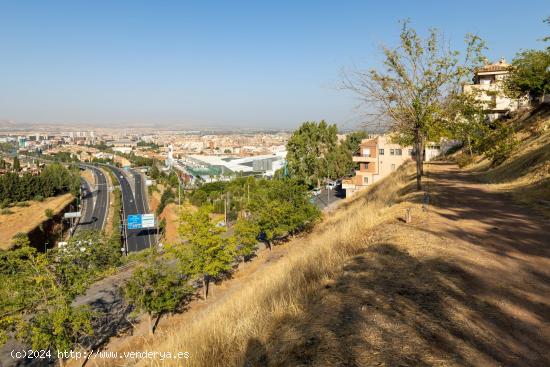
{"type": "Point", "coordinates": [363, 159]}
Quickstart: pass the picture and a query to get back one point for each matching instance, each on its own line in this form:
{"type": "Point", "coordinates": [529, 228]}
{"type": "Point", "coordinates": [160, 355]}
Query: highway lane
{"type": "Point", "coordinates": [101, 206]}
{"type": "Point", "coordinates": [142, 203]}
{"type": "Point", "coordinates": [87, 206]}
{"type": "Point", "coordinates": [97, 202]}
{"type": "Point", "coordinates": [136, 239]}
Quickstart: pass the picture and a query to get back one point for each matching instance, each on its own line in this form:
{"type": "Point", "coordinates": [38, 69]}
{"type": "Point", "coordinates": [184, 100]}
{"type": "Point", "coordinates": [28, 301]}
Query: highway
{"type": "Point", "coordinates": [96, 201]}
{"type": "Point", "coordinates": [134, 203]}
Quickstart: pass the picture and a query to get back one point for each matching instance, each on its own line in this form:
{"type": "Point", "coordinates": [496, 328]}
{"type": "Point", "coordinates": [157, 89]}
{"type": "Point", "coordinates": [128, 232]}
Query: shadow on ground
{"type": "Point", "coordinates": [390, 309]}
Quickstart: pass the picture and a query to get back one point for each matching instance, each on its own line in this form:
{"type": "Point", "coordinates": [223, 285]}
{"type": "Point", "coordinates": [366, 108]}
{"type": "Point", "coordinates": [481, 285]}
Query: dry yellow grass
{"type": "Point", "coordinates": [526, 174]}
{"type": "Point", "coordinates": [219, 336]}
{"type": "Point", "coordinates": [25, 219]}
{"type": "Point", "coordinates": [89, 176]}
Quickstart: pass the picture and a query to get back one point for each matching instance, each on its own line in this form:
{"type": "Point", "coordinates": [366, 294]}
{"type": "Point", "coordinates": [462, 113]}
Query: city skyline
{"type": "Point", "coordinates": [216, 65]}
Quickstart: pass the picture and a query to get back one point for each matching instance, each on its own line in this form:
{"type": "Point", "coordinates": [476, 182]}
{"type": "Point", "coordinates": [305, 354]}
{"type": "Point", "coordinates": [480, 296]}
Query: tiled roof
{"type": "Point", "coordinates": [497, 66]}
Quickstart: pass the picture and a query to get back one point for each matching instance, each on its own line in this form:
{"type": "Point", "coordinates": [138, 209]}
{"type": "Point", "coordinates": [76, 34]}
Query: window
{"type": "Point", "coordinates": [398, 152]}
{"type": "Point", "coordinates": [392, 151]}
{"type": "Point", "coordinates": [366, 152]}
{"type": "Point", "coordinates": [393, 167]}
{"type": "Point", "coordinates": [381, 151]}
{"type": "Point", "coordinates": [365, 180]}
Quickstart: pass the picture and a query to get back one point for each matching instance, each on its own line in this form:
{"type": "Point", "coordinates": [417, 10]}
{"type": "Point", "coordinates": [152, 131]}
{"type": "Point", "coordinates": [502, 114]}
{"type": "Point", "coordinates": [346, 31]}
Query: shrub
{"type": "Point", "coordinates": [39, 198]}
{"type": "Point", "coordinates": [49, 213]}
{"type": "Point", "coordinates": [22, 204]}
{"type": "Point", "coordinates": [464, 159]}
{"type": "Point", "coordinates": [6, 211]}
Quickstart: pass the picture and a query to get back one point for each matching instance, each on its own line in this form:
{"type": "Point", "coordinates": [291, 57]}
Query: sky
{"type": "Point", "coordinates": [234, 64]}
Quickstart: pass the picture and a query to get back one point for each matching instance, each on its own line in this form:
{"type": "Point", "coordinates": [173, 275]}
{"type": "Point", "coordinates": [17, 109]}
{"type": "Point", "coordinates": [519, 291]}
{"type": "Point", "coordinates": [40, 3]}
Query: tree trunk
{"type": "Point", "coordinates": [150, 323]}
{"type": "Point", "coordinates": [204, 287]}
{"type": "Point", "coordinates": [418, 157]}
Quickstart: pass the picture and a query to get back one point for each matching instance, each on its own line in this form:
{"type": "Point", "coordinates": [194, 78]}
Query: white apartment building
{"type": "Point", "coordinates": [488, 86]}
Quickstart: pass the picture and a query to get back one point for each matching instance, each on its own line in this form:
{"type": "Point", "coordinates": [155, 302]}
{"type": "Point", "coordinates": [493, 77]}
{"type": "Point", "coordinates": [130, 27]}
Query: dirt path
{"type": "Point", "coordinates": [467, 283]}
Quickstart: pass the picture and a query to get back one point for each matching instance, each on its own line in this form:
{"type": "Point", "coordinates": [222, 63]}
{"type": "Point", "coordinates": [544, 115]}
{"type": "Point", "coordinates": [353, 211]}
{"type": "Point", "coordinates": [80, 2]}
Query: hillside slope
{"type": "Point", "coordinates": [526, 173]}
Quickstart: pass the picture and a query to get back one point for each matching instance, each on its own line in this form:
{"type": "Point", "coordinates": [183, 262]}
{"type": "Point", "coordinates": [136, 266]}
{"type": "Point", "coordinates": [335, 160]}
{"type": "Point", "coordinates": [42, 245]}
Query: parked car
{"type": "Point", "coordinates": [331, 185]}
{"type": "Point", "coordinates": [316, 191]}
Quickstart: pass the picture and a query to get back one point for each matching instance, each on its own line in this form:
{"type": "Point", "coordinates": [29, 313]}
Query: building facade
{"type": "Point", "coordinates": [377, 157]}
{"type": "Point", "coordinates": [488, 87]}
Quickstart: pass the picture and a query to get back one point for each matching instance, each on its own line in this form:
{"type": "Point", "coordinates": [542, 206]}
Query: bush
{"type": "Point", "coordinates": [49, 213]}
{"type": "Point", "coordinates": [6, 211]}
{"type": "Point", "coordinates": [464, 159]}
{"type": "Point", "coordinates": [39, 198]}
{"type": "Point", "coordinates": [22, 204]}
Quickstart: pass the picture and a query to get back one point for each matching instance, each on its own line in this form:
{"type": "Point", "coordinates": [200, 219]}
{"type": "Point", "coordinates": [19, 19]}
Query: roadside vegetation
{"type": "Point", "coordinates": [54, 179]}
{"type": "Point", "coordinates": [37, 289]}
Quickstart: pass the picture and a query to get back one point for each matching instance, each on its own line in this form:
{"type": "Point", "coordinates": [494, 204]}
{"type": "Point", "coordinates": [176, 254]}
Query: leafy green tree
{"type": "Point", "coordinates": [82, 259]}
{"type": "Point", "coordinates": [246, 235]}
{"type": "Point", "coordinates": [411, 91]}
{"type": "Point", "coordinates": [206, 253]}
{"type": "Point", "coordinates": [155, 289]}
{"type": "Point", "coordinates": [35, 305]}
{"type": "Point", "coordinates": [310, 152]}
{"type": "Point", "coordinates": [281, 207]}
{"type": "Point", "coordinates": [530, 75]}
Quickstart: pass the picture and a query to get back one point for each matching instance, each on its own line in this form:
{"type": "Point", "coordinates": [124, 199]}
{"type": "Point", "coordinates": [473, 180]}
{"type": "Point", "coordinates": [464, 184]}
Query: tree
{"type": "Point", "coordinates": [35, 304]}
{"type": "Point", "coordinates": [16, 164]}
{"type": "Point", "coordinates": [246, 234]}
{"type": "Point", "coordinates": [411, 92]}
{"type": "Point", "coordinates": [530, 75]}
{"type": "Point", "coordinates": [281, 207]}
{"type": "Point", "coordinates": [206, 254]}
{"type": "Point", "coordinates": [155, 289]}
{"type": "Point", "coordinates": [309, 150]}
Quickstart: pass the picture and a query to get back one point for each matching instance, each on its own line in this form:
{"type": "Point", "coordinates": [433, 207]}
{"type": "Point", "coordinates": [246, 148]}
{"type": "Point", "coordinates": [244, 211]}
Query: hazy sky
{"type": "Point", "coordinates": [225, 63]}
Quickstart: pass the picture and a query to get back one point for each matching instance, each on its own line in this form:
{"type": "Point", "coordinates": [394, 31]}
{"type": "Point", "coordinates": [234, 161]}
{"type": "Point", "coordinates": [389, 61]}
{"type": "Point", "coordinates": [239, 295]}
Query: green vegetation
{"type": "Point", "coordinates": [419, 79]}
{"type": "Point", "coordinates": [314, 155]}
{"type": "Point", "coordinates": [530, 74]}
{"type": "Point", "coordinates": [207, 254]}
{"type": "Point", "coordinates": [37, 289]}
{"type": "Point", "coordinates": [48, 213]}
{"type": "Point", "coordinates": [156, 288]}
{"type": "Point", "coordinates": [53, 180]}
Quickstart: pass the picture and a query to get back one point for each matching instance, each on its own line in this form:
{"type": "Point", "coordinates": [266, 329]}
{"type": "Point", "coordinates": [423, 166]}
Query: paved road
{"type": "Point", "coordinates": [134, 203]}
{"type": "Point", "coordinates": [328, 197]}
{"type": "Point", "coordinates": [97, 200]}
